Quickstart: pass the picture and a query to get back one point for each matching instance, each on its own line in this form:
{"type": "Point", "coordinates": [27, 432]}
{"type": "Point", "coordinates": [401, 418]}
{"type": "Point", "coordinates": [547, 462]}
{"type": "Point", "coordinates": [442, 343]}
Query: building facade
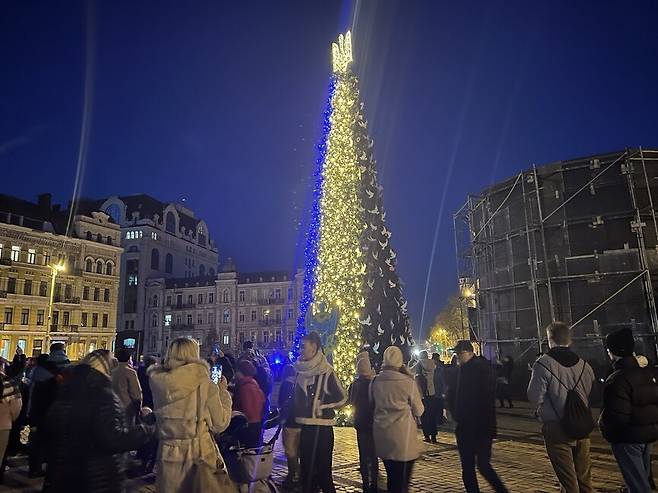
{"type": "Point", "coordinates": [84, 303]}
{"type": "Point", "coordinates": [161, 241]}
{"type": "Point", "coordinates": [225, 310]}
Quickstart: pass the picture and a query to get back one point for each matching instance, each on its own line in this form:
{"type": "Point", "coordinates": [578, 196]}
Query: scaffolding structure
{"type": "Point", "coordinates": [573, 241]}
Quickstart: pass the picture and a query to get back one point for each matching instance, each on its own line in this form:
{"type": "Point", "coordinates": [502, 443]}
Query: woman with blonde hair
{"type": "Point", "coordinates": [189, 408]}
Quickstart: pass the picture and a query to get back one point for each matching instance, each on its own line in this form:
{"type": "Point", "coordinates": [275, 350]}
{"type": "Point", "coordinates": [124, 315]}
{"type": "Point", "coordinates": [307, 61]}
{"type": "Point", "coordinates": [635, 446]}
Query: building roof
{"type": "Point", "coordinates": [40, 215]}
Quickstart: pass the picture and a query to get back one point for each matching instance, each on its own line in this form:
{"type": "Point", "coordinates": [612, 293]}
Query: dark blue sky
{"type": "Point", "coordinates": [221, 103]}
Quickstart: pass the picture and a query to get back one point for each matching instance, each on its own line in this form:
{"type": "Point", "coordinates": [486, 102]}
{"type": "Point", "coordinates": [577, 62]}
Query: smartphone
{"type": "Point", "coordinates": [216, 373]}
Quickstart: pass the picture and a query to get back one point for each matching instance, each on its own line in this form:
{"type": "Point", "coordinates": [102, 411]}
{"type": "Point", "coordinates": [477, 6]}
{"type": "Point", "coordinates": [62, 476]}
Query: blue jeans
{"type": "Point", "coordinates": [634, 461]}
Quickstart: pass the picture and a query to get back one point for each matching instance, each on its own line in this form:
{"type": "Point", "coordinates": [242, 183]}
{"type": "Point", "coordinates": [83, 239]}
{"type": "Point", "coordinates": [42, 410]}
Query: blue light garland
{"type": "Point", "coordinates": [313, 235]}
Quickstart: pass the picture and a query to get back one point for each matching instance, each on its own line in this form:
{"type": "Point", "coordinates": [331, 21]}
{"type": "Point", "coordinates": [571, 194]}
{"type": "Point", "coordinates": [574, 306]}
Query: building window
{"type": "Point", "coordinates": [83, 319]}
{"type": "Point", "coordinates": [25, 316]}
{"type": "Point", "coordinates": [199, 318]}
{"type": "Point", "coordinates": [99, 266]}
{"type": "Point", "coordinates": [277, 315]}
{"type": "Point", "coordinates": [155, 259]}
{"type": "Point", "coordinates": [99, 238]}
{"type": "Point", "coordinates": [55, 319]}
{"type": "Point", "coordinates": [11, 285]}
{"type": "Point", "coordinates": [85, 293]}
{"type": "Point", "coordinates": [97, 294]}
{"type": "Point", "coordinates": [37, 347]}
{"type": "Point", "coordinates": [94, 319]}
{"type": "Point", "coordinates": [167, 320]}
{"type": "Point", "coordinates": [9, 315]}
{"type": "Point", "coordinates": [154, 320]}
{"type": "Point", "coordinates": [226, 317]}
{"type": "Point", "coordinates": [290, 334]}
{"type": "Point", "coordinates": [253, 315]}
{"type": "Point", "coordinates": [68, 292]}
{"type": "Point", "coordinates": [189, 319]}
{"type": "Point", "coordinates": [211, 318]}
{"type": "Point", "coordinates": [266, 337]}
{"type": "Point", "coordinates": [241, 296]}
{"type": "Point", "coordinates": [199, 299]}
{"type": "Point", "coordinates": [109, 240]}
{"type": "Point", "coordinates": [290, 314]}
{"type": "Point", "coordinates": [225, 296]}
{"type": "Point", "coordinates": [15, 253]}
{"type": "Point", "coordinates": [170, 222]}
{"type": "Point", "coordinates": [43, 288]}
{"type": "Point", "coordinates": [266, 315]}
{"type": "Point", "coordinates": [46, 258]}
{"type": "Point", "coordinates": [40, 316]}
{"type": "Point", "coordinates": [190, 299]}
{"type": "Point", "coordinates": [154, 235]}
{"type": "Point", "coordinates": [226, 339]}
{"type": "Point", "coordinates": [278, 336]}
{"type": "Point", "coordinates": [277, 294]}
{"type": "Point", "coordinates": [1, 250]}
{"type": "Point", "coordinates": [66, 319]}
{"type": "Point", "coordinates": [106, 296]}
{"type": "Point", "coordinates": [132, 280]}
{"type": "Point", "coordinates": [88, 265]}
{"type": "Point", "coordinates": [109, 268]}
{"type": "Point", "coordinates": [31, 256]}
{"type": "Point", "coordinates": [155, 301]}
{"type": "Point", "coordinates": [289, 294]}
{"type": "Point", "coordinates": [169, 263]}
{"type": "Point", "coordinates": [211, 298]}
{"type": "Point", "coordinates": [169, 300]}
{"type": "Point", "coordinates": [105, 319]}
{"type": "Point", "coordinates": [241, 316]}
{"type": "Point", "coordinates": [88, 236]}
{"type": "Point", "coordinates": [241, 338]}
{"type": "Point", "coordinates": [254, 336]}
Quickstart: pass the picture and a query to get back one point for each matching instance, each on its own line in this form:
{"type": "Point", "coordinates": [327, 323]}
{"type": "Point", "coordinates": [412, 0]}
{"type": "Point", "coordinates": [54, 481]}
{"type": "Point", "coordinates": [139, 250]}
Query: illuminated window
{"type": "Point", "coordinates": [226, 340]}
{"type": "Point", "coordinates": [132, 280]}
{"type": "Point", "coordinates": [31, 256]}
{"type": "Point", "coordinates": [15, 253]}
{"type": "Point", "coordinates": [154, 235]}
{"type": "Point", "coordinates": [167, 320]}
{"type": "Point", "coordinates": [226, 317]}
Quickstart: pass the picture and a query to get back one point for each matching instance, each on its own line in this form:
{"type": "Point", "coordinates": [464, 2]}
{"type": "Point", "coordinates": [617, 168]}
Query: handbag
{"type": "Point", "coordinates": [205, 478]}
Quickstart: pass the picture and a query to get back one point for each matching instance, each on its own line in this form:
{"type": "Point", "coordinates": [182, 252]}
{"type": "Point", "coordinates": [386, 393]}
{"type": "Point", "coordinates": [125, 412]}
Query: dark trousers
{"type": "Point", "coordinates": [477, 451]}
{"type": "Point", "coordinates": [428, 419]}
{"type": "Point", "coordinates": [36, 452]}
{"type": "Point", "coordinates": [316, 449]}
{"type": "Point", "coordinates": [398, 475]}
{"type": "Point", "coordinates": [634, 461]}
{"type": "Point", "coordinates": [368, 462]}
{"type": "Point", "coordinates": [251, 436]}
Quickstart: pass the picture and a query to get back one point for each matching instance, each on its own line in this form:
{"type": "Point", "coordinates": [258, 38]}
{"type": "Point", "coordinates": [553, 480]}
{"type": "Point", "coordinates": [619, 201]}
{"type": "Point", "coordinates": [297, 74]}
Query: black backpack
{"type": "Point", "coordinates": [577, 420]}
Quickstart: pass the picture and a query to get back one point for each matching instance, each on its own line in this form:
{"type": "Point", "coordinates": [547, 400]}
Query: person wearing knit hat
{"type": "Point", "coordinates": [359, 399]}
{"type": "Point", "coordinates": [397, 404]}
{"type": "Point", "coordinates": [249, 399]}
{"type": "Point", "coordinates": [629, 415]}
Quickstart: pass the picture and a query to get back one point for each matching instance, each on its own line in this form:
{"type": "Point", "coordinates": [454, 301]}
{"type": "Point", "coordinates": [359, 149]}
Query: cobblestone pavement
{"type": "Point", "coordinates": [519, 457]}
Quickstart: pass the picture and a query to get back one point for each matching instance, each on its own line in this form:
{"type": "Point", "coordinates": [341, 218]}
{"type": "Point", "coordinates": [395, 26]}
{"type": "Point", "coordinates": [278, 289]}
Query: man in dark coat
{"type": "Point", "coordinates": [472, 404]}
{"type": "Point", "coordinates": [86, 432]}
{"type": "Point", "coordinates": [629, 416]}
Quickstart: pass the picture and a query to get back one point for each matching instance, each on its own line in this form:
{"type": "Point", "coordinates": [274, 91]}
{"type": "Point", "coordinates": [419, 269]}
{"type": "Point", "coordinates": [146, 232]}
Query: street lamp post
{"type": "Point", "coordinates": [54, 270]}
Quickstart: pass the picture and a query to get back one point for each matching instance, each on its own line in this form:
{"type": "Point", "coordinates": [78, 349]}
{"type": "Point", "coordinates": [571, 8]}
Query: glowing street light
{"type": "Point", "coordinates": [54, 270]}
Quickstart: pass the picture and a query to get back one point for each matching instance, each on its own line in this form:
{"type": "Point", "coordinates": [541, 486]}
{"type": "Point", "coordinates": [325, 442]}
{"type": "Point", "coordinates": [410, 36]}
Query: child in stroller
{"type": "Point", "coordinates": [250, 467]}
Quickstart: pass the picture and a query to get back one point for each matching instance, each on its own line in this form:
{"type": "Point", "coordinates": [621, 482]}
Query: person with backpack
{"type": "Point", "coordinates": [560, 386]}
{"type": "Point", "coordinates": [423, 372]}
{"type": "Point", "coordinates": [472, 404]}
{"type": "Point", "coordinates": [629, 415]}
{"type": "Point", "coordinates": [359, 399]}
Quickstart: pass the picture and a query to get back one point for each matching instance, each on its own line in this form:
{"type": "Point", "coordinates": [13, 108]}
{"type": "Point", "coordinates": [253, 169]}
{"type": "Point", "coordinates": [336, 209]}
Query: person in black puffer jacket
{"type": "Point", "coordinates": [86, 432]}
{"type": "Point", "coordinates": [629, 416]}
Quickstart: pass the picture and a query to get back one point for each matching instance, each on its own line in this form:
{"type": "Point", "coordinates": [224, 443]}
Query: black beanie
{"type": "Point", "coordinates": [621, 343]}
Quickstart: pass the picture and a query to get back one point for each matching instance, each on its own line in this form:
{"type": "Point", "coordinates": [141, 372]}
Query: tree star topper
{"type": "Point", "coordinates": [342, 53]}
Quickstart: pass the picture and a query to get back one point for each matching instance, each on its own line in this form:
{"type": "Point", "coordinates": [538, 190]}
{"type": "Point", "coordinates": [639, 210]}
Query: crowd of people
{"type": "Point", "coordinates": [91, 422]}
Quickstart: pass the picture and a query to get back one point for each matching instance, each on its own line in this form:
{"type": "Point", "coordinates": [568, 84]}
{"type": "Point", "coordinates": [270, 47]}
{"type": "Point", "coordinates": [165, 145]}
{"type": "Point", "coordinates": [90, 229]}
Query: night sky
{"type": "Point", "coordinates": [220, 104]}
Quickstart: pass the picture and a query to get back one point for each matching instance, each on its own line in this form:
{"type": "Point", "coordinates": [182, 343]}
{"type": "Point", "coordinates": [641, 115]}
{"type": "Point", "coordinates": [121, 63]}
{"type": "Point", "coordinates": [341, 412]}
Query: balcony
{"type": "Point", "coordinates": [75, 300]}
{"type": "Point", "coordinates": [267, 323]}
{"type": "Point", "coordinates": [5, 261]}
{"type": "Point", "coordinates": [182, 327]}
{"type": "Point", "coordinates": [271, 301]}
{"type": "Point", "coordinates": [181, 306]}
{"type": "Point", "coordinates": [63, 328]}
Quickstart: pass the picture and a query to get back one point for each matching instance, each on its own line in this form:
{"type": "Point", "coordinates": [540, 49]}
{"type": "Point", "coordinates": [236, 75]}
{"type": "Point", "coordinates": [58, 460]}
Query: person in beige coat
{"type": "Point", "coordinates": [178, 385]}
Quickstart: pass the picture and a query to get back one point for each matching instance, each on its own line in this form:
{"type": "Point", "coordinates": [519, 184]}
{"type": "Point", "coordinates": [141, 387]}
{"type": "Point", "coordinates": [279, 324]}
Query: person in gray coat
{"type": "Point", "coordinates": [397, 406]}
{"type": "Point", "coordinates": [553, 375]}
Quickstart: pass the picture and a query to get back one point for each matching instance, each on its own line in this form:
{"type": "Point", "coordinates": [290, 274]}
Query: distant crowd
{"type": "Point", "coordinates": [86, 425]}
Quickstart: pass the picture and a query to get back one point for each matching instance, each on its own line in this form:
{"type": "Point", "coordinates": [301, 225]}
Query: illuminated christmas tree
{"type": "Point", "coordinates": [350, 279]}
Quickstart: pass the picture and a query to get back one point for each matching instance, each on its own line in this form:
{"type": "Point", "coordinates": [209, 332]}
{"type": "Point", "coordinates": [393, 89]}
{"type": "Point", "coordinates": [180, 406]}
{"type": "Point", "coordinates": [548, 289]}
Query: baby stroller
{"type": "Point", "coordinates": [250, 467]}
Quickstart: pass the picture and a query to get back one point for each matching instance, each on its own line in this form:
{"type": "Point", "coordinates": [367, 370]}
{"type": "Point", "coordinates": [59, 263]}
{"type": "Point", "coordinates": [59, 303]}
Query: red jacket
{"type": "Point", "coordinates": [249, 399]}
